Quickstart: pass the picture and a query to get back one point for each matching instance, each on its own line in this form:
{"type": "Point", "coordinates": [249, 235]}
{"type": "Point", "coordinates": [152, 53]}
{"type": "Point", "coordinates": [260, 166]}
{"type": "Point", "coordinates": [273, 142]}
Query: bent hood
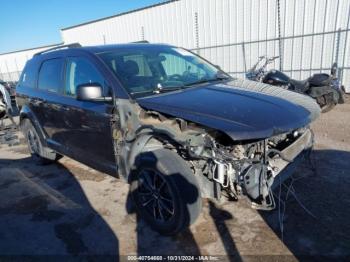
{"type": "Point", "coordinates": [240, 113]}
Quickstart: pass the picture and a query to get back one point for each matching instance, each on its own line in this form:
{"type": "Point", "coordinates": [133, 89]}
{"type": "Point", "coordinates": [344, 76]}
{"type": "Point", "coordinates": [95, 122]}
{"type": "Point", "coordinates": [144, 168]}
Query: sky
{"type": "Point", "coordinates": [31, 23]}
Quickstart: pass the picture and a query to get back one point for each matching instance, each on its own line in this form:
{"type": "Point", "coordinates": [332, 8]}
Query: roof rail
{"type": "Point", "coordinates": [73, 45]}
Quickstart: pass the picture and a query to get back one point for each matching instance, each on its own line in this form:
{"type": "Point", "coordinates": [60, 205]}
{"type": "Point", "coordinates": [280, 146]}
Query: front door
{"type": "Point", "coordinates": [87, 131]}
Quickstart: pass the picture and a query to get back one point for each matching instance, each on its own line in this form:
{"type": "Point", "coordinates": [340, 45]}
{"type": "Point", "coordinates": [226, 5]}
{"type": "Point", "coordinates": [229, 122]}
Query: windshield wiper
{"type": "Point", "coordinates": [158, 90]}
{"type": "Point", "coordinates": [217, 78]}
{"type": "Point", "coordinates": [163, 89]}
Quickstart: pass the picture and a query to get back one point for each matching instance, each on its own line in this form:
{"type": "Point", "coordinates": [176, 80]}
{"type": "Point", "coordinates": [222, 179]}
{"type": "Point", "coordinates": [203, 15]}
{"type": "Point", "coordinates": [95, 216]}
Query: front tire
{"type": "Point", "coordinates": [165, 191]}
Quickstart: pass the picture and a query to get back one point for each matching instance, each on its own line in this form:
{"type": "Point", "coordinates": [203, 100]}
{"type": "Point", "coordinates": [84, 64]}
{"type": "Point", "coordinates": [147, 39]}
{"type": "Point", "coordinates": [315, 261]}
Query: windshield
{"type": "Point", "coordinates": [146, 70]}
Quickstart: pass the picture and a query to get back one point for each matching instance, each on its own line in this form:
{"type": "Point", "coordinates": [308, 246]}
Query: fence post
{"type": "Point", "coordinates": [244, 58]}
{"type": "Point", "coordinates": [337, 48]}
{"type": "Point", "coordinates": [142, 33]}
{"type": "Point", "coordinates": [280, 44]}
{"type": "Point", "coordinates": [196, 31]}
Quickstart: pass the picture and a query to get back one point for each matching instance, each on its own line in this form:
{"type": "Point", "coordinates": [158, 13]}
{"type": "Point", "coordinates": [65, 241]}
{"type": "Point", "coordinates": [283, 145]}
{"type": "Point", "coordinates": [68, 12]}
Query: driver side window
{"type": "Point", "coordinates": [80, 71]}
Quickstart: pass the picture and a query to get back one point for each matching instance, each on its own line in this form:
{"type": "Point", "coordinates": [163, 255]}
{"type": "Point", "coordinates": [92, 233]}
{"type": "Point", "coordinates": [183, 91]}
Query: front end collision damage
{"type": "Point", "coordinates": [222, 165]}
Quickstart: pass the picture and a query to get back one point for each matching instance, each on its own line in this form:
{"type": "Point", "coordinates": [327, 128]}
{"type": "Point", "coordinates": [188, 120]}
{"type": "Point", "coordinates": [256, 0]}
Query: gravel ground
{"type": "Point", "coordinates": [70, 209]}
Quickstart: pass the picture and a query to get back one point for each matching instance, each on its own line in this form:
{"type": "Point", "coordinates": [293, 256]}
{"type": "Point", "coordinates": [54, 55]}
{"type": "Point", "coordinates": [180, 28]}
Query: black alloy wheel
{"type": "Point", "coordinates": [156, 195]}
{"type": "Point", "coordinates": [165, 191]}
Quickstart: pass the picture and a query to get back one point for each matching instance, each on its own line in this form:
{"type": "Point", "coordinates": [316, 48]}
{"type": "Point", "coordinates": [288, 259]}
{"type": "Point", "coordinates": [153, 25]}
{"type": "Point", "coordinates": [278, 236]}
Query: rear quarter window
{"type": "Point", "coordinates": [50, 75]}
{"type": "Point", "coordinates": [28, 77]}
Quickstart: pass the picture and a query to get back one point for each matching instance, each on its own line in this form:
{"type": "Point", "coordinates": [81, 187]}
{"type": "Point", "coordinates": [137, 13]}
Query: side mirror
{"type": "Point", "coordinates": [91, 92]}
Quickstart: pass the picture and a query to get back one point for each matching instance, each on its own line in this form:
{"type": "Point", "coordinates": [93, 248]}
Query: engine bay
{"type": "Point", "coordinates": [248, 168]}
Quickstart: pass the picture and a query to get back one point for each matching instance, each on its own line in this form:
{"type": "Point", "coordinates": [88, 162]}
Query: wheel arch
{"type": "Point", "coordinates": [146, 142]}
{"type": "Point", "coordinates": [27, 113]}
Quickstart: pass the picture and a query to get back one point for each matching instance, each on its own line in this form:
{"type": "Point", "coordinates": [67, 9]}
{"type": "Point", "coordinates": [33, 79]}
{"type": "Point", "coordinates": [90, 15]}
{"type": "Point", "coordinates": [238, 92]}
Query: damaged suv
{"type": "Point", "coordinates": [176, 127]}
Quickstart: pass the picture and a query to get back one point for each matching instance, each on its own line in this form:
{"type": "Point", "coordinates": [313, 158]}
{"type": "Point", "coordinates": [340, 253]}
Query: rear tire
{"type": "Point", "coordinates": [165, 191]}
{"type": "Point", "coordinates": [39, 153]}
{"type": "Point", "coordinates": [326, 103]}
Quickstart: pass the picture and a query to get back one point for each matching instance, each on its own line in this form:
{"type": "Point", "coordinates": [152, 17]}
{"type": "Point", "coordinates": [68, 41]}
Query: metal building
{"type": "Point", "coordinates": [309, 35]}
{"type": "Point", "coordinates": [12, 63]}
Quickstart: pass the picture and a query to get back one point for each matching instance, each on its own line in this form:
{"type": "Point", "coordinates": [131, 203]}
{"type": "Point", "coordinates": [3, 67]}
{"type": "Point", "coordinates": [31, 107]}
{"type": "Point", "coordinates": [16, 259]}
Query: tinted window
{"type": "Point", "coordinates": [29, 75]}
{"type": "Point", "coordinates": [133, 70]}
{"type": "Point", "coordinates": [144, 69]}
{"type": "Point", "coordinates": [141, 62]}
{"type": "Point", "coordinates": [81, 71]}
{"type": "Point", "coordinates": [50, 75]}
{"type": "Point", "coordinates": [176, 65]}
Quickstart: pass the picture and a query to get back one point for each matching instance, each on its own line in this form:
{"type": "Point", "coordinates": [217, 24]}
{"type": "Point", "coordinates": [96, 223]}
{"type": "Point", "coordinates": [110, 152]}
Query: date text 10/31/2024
{"type": "Point", "coordinates": [172, 258]}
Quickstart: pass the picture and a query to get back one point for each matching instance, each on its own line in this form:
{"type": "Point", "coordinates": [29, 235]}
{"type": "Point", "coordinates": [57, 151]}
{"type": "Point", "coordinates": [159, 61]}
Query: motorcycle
{"type": "Point", "coordinates": [324, 88]}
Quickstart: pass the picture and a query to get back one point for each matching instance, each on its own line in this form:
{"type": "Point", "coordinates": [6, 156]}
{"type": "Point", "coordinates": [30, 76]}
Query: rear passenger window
{"type": "Point", "coordinates": [80, 71]}
{"type": "Point", "coordinates": [50, 75]}
{"type": "Point", "coordinates": [28, 75]}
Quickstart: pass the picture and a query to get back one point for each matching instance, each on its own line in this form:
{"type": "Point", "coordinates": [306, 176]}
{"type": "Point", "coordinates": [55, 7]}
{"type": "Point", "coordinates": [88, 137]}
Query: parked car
{"type": "Point", "coordinates": [7, 101]}
{"type": "Point", "coordinates": [10, 87]}
{"type": "Point", "coordinates": [173, 125]}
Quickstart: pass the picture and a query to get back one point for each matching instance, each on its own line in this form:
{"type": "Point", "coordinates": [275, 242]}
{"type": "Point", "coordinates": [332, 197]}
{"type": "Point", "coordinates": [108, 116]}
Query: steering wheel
{"type": "Point", "coordinates": [175, 77]}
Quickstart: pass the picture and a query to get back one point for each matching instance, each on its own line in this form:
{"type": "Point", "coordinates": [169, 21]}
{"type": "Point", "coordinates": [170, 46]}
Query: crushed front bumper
{"type": "Point", "coordinates": [295, 154]}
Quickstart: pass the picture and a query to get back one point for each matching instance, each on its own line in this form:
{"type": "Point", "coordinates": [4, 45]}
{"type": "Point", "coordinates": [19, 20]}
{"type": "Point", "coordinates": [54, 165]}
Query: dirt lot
{"type": "Point", "coordinates": [70, 209]}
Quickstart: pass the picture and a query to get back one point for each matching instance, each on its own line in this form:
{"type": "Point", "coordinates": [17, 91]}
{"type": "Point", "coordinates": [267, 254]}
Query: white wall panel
{"type": "Point", "coordinates": [343, 14]}
{"type": "Point", "coordinates": [272, 20]}
{"type": "Point", "coordinates": [320, 12]}
{"type": "Point", "coordinates": [309, 17]}
{"type": "Point", "coordinates": [222, 27]}
{"type": "Point", "coordinates": [306, 52]}
{"type": "Point", "coordinates": [299, 17]}
{"type": "Point", "coordinates": [289, 17]}
{"type": "Point", "coordinates": [346, 59]}
{"type": "Point", "coordinates": [11, 64]}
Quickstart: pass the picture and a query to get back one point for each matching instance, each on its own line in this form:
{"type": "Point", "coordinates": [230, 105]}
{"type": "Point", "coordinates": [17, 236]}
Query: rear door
{"type": "Point", "coordinates": [27, 84]}
{"type": "Point", "coordinates": [46, 98]}
{"type": "Point", "coordinates": [87, 130]}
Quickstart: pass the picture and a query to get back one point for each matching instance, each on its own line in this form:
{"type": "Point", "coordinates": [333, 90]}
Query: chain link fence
{"type": "Point", "coordinates": [299, 56]}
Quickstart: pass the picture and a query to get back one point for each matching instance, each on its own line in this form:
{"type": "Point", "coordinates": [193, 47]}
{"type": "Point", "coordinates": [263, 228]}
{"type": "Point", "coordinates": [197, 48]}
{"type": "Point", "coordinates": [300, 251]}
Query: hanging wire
{"type": "Point", "coordinates": [282, 203]}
